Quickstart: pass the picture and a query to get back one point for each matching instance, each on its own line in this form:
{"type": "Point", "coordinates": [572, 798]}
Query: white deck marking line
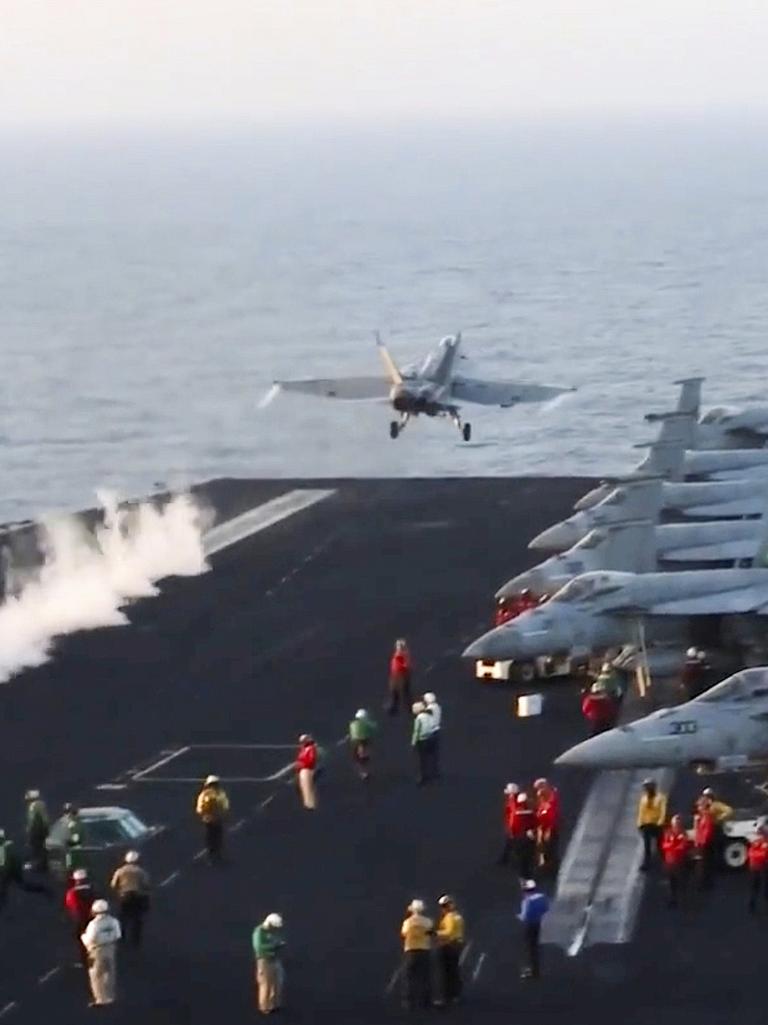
{"type": "Point", "coordinates": [200, 854]}
{"type": "Point", "coordinates": [261, 517]}
{"type": "Point", "coordinates": [237, 826]}
{"type": "Point", "coordinates": [239, 747]}
{"type": "Point", "coordinates": [49, 975]}
{"type": "Point", "coordinates": [266, 802]}
{"type": "Point", "coordinates": [10, 1006]}
{"type": "Point", "coordinates": [111, 786]}
{"type": "Point", "coordinates": [169, 879]}
{"type": "Point", "coordinates": [393, 979]}
{"type": "Point", "coordinates": [195, 780]}
{"type": "Point", "coordinates": [478, 967]}
{"type": "Point", "coordinates": [465, 953]}
{"type": "Point", "coordinates": [168, 757]}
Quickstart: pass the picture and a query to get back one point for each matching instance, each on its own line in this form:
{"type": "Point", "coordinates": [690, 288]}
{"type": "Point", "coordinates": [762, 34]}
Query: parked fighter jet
{"type": "Point", "coordinates": [641, 546]}
{"type": "Point", "coordinates": [636, 497]}
{"type": "Point", "coordinates": [724, 728]}
{"type": "Point", "coordinates": [598, 610]}
{"type": "Point", "coordinates": [433, 389]}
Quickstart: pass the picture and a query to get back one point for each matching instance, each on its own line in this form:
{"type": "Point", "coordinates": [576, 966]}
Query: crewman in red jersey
{"type": "Point", "coordinates": [399, 678]}
{"type": "Point", "coordinates": [599, 708]}
{"type": "Point", "coordinates": [511, 790]}
{"type": "Point", "coordinates": [306, 764]}
{"type": "Point", "coordinates": [757, 862]}
{"type": "Point", "coordinates": [547, 825]}
{"type": "Point", "coordinates": [675, 852]}
{"type": "Point", "coordinates": [77, 902]}
{"type": "Point", "coordinates": [704, 843]}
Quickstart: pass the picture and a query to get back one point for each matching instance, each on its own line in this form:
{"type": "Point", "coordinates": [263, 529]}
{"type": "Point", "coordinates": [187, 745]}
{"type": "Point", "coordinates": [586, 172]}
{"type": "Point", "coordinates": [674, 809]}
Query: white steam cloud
{"type": "Point", "coordinates": [87, 577]}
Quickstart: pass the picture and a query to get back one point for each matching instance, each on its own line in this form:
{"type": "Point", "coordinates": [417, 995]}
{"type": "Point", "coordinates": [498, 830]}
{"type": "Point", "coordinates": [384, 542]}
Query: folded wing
{"type": "Point", "coordinates": [340, 387]}
{"type": "Point", "coordinates": [502, 393]}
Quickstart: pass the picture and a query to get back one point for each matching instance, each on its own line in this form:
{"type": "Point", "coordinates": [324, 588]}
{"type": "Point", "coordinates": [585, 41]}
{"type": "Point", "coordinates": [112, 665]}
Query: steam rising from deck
{"type": "Point", "coordinates": [87, 577]}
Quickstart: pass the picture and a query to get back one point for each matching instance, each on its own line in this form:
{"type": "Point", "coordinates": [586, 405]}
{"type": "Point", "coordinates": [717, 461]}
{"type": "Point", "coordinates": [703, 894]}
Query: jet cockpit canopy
{"type": "Point", "coordinates": [744, 686]}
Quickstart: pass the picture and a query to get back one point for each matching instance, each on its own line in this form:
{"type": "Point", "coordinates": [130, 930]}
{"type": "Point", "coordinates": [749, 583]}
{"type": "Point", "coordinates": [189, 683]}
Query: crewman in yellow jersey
{"type": "Point", "coordinates": [450, 943]}
{"type": "Point", "coordinates": [417, 931]}
{"type": "Point", "coordinates": [651, 819]}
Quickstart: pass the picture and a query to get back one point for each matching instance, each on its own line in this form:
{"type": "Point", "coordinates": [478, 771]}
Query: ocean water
{"type": "Point", "coordinates": [153, 286]}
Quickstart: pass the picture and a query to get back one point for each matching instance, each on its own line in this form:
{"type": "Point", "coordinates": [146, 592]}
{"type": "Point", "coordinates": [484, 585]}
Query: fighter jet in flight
{"type": "Point", "coordinates": [599, 610]}
{"type": "Point", "coordinates": [726, 728]}
{"type": "Point", "coordinates": [638, 498]}
{"type": "Point", "coordinates": [432, 389]}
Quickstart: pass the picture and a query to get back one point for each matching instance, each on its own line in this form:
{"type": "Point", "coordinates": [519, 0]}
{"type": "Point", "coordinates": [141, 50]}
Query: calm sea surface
{"type": "Point", "coordinates": [151, 289]}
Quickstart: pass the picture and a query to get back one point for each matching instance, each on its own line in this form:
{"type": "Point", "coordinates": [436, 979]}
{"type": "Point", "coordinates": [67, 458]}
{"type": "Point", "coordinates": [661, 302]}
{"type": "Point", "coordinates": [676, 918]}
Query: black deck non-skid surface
{"type": "Point", "coordinates": [290, 632]}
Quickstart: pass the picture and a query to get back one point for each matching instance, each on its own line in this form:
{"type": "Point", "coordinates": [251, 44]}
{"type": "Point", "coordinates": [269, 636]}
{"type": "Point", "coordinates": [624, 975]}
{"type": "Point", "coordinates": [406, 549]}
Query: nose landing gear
{"type": "Point", "coordinates": [397, 426]}
{"type": "Point", "coordinates": [466, 429]}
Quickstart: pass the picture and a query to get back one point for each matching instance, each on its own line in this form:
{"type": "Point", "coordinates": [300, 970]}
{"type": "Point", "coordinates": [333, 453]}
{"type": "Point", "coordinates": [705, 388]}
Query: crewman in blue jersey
{"type": "Point", "coordinates": [534, 907]}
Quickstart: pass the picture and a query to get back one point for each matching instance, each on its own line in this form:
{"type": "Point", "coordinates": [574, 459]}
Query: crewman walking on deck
{"type": "Point", "coordinates": [757, 861]}
{"type": "Point", "coordinates": [268, 944]}
{"type": "Point", "coordinates": [704, 843]}
{"type": "Point", "coordinates": [131, 885]}
{"type": "Point", "coordinates": [421, 741]}
{"type": "Point", "coordinates": [522, 832]}
{"type": "Point", "coordinates": [547, 825]}
{"type": "Point", "coordinates": [399, 677]}
{"type": "Point", "coordinates": [511, 790]}
{"type": "Point", "coordinates": [100, 939]}
{"type": "Point", "coordinates": [534, 907]}
{"type": "Point", "coordinates": [212, 808]}
{"type": "Point", "coordinates": [651, 816]}
{"type": "Point", "coordinates": [436, 711]}
{"type": "Point", "coordinates": [675, 852]}
{"type": "Point", "coordinates": [38, 827]}
{"type": "Point", "coordinates": [78, 901]}
{"type": "Point", "coordinates": [73, 839]}
{"type": "Point", "coordinates": [362, 730]}
{"type": "Point", "coordinates": [417, 931]}
{"type": "Point", "coordinates": [12, 872]}
{"type": "Point", "coordinates": [306, 767]}
{"type": "Point", "coordinates": [450, 943]}
{"type": "Point", "coordinates": [694, 674]}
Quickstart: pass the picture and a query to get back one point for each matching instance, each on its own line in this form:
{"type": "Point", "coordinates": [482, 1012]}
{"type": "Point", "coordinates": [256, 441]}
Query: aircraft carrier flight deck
{"type": "Point", "coordinates": [290, 631]}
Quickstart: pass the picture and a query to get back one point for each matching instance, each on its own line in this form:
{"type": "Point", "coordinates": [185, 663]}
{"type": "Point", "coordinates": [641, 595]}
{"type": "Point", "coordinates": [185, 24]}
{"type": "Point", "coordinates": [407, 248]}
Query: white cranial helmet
{"type": "Point", "coordinates": [211, 779]}
{"type": "Point", "coordinates": [274, 921]}
{"type": "Point", "coordinates": [99, 907]}
{"type": "Point", "coordinates": [511, 788]}
{"type": "Point", "coordinates": [416, 906]}
{"type": "Point", "coordinates": [692, 653]}
{"type": "Point", "coordinates": [361, 713]}
{"type": "Point", "coordinates": [430, 698]}
{"type": "Point", "coordinates": [417, 706]}
{"type": "Point", "coordinates": [131, 857]}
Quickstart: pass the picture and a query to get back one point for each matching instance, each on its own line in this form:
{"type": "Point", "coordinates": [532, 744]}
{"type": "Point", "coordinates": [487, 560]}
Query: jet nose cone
{"type": "Point", "coordinates": [519, 583]}
{"type": "Point", "coordinates": [593, 497]}
{"type": "Point", "coordinates": [615, 749]}
{"type": "Point", "coordinates": [557, 538]}
{"type": "Point", "coordinates": [489, 646]}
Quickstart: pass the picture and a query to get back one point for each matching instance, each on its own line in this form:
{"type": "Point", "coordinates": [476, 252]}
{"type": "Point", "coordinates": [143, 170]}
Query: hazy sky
{"type": "Point", "coordinates": [96, 61]}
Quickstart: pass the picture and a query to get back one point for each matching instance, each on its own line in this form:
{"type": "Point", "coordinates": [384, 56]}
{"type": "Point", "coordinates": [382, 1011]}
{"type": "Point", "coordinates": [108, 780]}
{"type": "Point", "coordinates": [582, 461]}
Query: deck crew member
{"type": "Point", "coordinates": [78, 901]}
{"type": "Point", "coordinates": [534, 907]}
{"type": "Point", "coordinates": [399, 677]}
{"type": "Point", "coordinates": [704, 843]}
{"type": "Point", "coordinates": [100, 939]}
{"type": "Point", "coordinates": [651, 816]}
{"type": "Point", "coordinates": [721, 812]}
{"type": "Point", "coordinates": [417, 931]}
{"type": "Point", "coordinates": [268, 943]}
{"type": "Point", "coordinates": [73, 839]}
{"type": "Point", "coordinates": [693, 677]}
{"type": "Point", "coordinates": [599, 708]}
{"type": "Point", "coordinates": [421, 740]}
{"type": "Point", "coordinates": [450, 943]}
{"type": "Point", "coordinates": [511, 790]}
{"type": "Point", "coordinates": [12, 872]}
{"type": "Point", "coordinates": [306, 767]}
{"type": "Point", "coordinates": [38, 827]}
{"type": "Point", "coordinates": [675, 853]}
{"type": "Point", "coordinates": [131, 885]}
{"type": "Point", "coordinates": [212, 808]}
{"type": "Point", "coordinates": [362, 730]}
{"type": "Point", "coordinates": [547, 825]}
{"type": "Point", "coordinates": [436, 711]}
{"type": "Point", "coordinates": [757, 861]}
{"type": "Point", "coordinates": [524, 832]}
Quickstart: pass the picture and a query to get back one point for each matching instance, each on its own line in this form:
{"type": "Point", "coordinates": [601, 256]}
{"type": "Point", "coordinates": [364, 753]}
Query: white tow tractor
{"type": "Point", "coordinates": [545, 668]}
{"type": "Point", "coordinates": [739, 832]}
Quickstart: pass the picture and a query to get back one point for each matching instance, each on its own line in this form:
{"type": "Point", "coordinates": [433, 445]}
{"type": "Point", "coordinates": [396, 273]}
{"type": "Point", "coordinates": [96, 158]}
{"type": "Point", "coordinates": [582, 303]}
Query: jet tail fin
{"type": "Point", "coordinates": [689, 400]}
{"type": "Point", "coordinates": [393, 371]}
{"type": "Point", "coordinates": [631, 546]}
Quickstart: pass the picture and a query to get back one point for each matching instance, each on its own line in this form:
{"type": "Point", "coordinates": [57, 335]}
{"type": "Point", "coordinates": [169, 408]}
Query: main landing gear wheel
{"type": "Point", "coordinates": [466, 432]}
{"type": "Point", "coordinates": [394, 429]}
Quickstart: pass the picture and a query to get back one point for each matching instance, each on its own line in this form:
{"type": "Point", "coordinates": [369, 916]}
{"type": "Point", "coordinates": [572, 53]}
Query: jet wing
{"type": "Point", "coordinates": [340, 387]}
{"type": "Point", "coordinates": [721, 551]}
{"type": "Point", "coordinates": [502, 393]}
{"type": "Point", "coordinates": [749, 599]}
